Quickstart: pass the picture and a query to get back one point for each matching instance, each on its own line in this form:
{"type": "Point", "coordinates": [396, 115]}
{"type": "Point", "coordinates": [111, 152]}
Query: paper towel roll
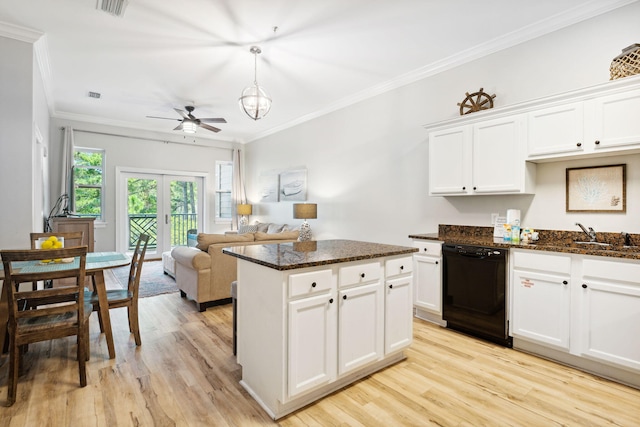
{"type": "Point", "coordinates": [513, 215]}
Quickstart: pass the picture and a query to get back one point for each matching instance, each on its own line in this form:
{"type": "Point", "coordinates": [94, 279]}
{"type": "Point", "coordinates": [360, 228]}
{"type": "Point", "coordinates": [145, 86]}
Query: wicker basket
{"type": "Point", "coordinates": [627, 63]}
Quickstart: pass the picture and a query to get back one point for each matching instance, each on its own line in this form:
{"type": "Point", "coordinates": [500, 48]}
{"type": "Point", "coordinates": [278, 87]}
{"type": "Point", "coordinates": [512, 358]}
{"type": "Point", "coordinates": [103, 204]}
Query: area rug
{"type": "Point", "coordinates": [152, 282]}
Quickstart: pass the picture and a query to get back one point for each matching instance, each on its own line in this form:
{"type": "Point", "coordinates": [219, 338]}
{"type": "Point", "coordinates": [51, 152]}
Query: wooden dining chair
{"type": "Point", "coordinates": [127, 297]}
{"type": "Point", "coordinates": [48, 321]}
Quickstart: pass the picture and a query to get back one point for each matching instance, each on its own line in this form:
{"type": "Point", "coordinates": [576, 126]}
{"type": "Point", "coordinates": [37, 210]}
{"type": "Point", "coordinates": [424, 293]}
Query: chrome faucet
{"type": "Point", "coordinates": [591, 233]}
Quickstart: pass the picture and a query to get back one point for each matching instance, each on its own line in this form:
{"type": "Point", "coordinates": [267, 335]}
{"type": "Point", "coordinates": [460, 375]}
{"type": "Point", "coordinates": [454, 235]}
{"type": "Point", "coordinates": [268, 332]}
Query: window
{"type": "Point", "coordinates": [87, 199]}
{"type": "Point", "coordinates": [224, 180]}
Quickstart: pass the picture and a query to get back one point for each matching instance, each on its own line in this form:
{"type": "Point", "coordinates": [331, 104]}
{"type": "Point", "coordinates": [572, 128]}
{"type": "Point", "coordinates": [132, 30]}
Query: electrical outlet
{"type": "Point", "coordinates": [494, 217]}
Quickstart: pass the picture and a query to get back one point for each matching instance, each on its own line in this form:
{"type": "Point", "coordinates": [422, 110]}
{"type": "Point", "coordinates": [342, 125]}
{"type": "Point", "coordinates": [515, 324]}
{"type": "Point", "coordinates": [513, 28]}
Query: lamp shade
{"type": "Point", "coordinates": [305, 210]}
{"type": "Point", "coordinates": [189, 126]}
{"type": "Point", "coordinates": [244, 209]}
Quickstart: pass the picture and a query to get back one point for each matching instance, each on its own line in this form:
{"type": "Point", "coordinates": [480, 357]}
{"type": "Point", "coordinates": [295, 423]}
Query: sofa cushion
{"type": "Point", "coordinates": [243, 229]}
{"type": "Point", "coordinates": [204, 239]}
{"type": "Point", "coordinates": [285, 235]}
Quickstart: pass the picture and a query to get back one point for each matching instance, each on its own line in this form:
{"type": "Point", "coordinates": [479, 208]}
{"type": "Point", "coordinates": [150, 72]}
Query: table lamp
{"type": "Point", "coordinates": [305, 211]}
{"type": "Point", "coordinates": [244, 210]}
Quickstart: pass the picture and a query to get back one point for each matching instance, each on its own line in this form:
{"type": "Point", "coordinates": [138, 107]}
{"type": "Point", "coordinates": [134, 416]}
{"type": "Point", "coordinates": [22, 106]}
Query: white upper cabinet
{"type": "Point", "coordinates": [615, 121]}
{"type": "Point", "coordinates": [481, 158]}
{"type": "Point", "coordinates": [555, 130]}
{"type": "Point", "coordinates": [488, 150]}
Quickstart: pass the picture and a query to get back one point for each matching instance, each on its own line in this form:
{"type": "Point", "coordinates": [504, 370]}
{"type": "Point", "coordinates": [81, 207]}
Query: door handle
{"type": "Point", "coordinates": [166, 219]}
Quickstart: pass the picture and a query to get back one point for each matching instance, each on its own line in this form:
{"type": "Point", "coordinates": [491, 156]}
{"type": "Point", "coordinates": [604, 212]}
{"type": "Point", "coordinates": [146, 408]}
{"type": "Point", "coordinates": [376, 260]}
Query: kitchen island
{"type": "Point", "coordinates": [316, 316]}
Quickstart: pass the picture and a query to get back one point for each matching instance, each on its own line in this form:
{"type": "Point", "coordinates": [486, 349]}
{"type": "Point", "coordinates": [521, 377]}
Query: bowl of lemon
{"type": "Point", "coordinates": [52, 242]}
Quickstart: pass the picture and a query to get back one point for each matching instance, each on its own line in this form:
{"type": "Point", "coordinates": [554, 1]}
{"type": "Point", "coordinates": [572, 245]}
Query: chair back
{"type": "Point", "coordinates": [26, 266]}
{"type": "Point", "coordinates": [71, 238]}
{"type": "Point", "coordinates": [137, 259]}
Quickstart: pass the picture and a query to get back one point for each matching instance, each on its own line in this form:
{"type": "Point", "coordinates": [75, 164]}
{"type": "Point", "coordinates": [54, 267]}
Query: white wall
{"type": "Point", "coordinates": [16, 110]}
{"type": "Point", "coordinates": [367, 163]}
{"type": "Point", "coordinates": [138, 151]}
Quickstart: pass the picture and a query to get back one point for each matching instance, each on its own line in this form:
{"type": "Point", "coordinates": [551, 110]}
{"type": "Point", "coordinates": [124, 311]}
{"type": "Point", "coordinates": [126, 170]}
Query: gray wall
{"type": "Point", "coordinates": [367, 164]}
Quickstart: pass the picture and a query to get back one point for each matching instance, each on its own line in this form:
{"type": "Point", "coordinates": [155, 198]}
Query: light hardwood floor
{"type": "Point", "coordinates": [184, 374]}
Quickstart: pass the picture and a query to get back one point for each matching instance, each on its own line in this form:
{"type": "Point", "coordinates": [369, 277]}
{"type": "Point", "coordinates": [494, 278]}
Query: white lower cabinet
{"type": "Point", "coordinates": [541, 304]}
{"type": "Point", "coordinates": [398, 293]}
{"type": "Point", "coordinates": [360, 326]}
{"type": "Point", "coordinates": [427, 272]}
{"type": "Point", "coordinates": [578, 309]}
{"type": "Point", "coordinates": [609, 295]}
{"type": "Point", "coordinates": [312, 342]}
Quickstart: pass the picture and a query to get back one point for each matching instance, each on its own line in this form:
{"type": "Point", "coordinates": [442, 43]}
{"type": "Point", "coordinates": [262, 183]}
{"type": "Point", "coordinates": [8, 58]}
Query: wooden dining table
{"type": "Point", "coordinates": [96, 264]}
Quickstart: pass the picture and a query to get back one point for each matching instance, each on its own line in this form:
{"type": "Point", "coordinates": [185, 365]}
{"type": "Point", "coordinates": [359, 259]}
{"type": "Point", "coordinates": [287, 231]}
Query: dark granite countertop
{"type": "Point", "coordinates": [550, 241]}
{"type": "Point", "coordinates": [288, 256]}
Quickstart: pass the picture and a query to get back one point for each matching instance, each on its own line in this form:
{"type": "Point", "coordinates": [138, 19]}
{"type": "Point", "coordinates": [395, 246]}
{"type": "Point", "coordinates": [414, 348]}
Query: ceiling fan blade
{"type": "Point", "coordinates": [182, 113]}
{"type": "Point", "coordinates": [214, 120]}
{"type": "Point", "coordinates": [211, 128]}
{"type": "Point", "coordinates": [179, 127]}
{"type": "Point", "coordinates": [166, 118]}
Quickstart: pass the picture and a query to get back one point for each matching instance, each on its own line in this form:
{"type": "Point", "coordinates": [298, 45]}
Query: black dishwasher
{"type": "Point", "coordinates": [474, 291]}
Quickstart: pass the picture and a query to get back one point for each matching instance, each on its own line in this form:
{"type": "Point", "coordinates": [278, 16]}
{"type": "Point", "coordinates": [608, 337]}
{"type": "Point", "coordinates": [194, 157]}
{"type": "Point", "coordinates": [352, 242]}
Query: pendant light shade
{"type": "Point", "coordinates": [254, 101]}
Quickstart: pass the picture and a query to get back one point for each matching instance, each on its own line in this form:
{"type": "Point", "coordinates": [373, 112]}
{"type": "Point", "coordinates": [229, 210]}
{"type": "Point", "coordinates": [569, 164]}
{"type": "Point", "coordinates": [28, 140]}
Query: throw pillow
{"type": "Point", "coordinates": [243, 229]}
{"type": "Point", "coordinates": [285, 235]}
{"type": "Point", "coordinates": [275, 228]}
{"type": "Point", "coordinates": [262, 226]}
{"type": "Point", "coordinates": [204, 240]}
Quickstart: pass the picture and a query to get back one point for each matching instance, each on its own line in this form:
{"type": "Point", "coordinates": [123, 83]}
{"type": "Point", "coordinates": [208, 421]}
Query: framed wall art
{"type": "Point", "coordinates": [597, 189]}
{"type": "Point", "coordinates": [293, 185]}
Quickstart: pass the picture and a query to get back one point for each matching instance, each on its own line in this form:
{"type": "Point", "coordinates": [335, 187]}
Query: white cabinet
{"type": "Point", "coordinates": [398, 319]}
{"type": "Point", "coordinates": [554, 130]}
{"type": "Point", "coordinates": [312, 332]}
{"type": "Point", "coordinates": [541, 304]}
{"type": "Point", "coordinates": [486, 157]}
{"type": "Point", "coordinates": [615, 121]}
{"type": "Point", "coordinates": [599, 125]}
{"type": "Point", "coordinates": [360, 316]}
{"type": "Point", "coordinates": [609, 295]}
{"type": "Point", "coordinates": [427, 273]}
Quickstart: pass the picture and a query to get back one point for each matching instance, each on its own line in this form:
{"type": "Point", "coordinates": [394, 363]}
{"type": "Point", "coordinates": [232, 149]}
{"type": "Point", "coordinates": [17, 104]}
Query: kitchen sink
{"type": "Point", "coordinates": [592, 243]}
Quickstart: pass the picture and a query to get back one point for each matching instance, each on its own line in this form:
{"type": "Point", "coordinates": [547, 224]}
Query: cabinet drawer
{"type": "Point", "coordinates": [360, 273]}
{"type": "Point", "coordinates": [621, 271]}
{"type": "Point", "coordinates": [309, 283]}
{"type": "Point", "coordinates": [545, 262]}
{"type": "Point", "coordinates": [397, 266]}
{"type": "Point", "coordinates": [428, 248]}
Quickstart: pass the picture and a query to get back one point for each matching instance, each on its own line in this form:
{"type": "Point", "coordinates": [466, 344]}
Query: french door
{"type": "Point", "coordinates": [163, 205]}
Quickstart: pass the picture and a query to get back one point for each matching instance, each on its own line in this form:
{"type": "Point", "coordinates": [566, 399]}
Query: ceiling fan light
{"type": "Point", "coordinates": [188, 126]}
{"type": "Point", "coordinates": [255, 102]}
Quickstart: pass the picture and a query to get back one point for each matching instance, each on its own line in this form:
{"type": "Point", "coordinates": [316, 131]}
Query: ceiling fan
{"type": "Point", "coordinates": [189, 122]}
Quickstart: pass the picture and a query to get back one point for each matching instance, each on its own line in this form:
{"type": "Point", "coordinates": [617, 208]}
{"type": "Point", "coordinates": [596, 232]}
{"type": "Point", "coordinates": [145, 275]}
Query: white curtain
{"type": "Point", "coordinates": [67, 166]}
{"type": "Point", "coordinates": [238, 194]}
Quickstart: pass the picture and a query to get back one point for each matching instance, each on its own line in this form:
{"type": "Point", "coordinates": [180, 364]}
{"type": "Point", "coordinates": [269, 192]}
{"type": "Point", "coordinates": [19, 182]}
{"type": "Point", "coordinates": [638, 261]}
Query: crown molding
{"type": "Point", "coordinates": [17, 32]}
{"type": "Point", "coordinates": [573, 16]}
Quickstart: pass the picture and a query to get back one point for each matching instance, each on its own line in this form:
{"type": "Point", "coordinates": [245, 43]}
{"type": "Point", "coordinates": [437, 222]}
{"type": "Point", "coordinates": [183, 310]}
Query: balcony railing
{"type": "Point", "coordinates": [148, 224]}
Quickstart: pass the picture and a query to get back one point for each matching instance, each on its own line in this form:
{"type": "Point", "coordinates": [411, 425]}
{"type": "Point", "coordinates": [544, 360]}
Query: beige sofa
{"type": "Point", "coordinates": [204, 273]}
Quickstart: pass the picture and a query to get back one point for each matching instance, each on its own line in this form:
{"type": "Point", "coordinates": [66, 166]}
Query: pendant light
{"type": "Point", "coordinates": [254, 100]}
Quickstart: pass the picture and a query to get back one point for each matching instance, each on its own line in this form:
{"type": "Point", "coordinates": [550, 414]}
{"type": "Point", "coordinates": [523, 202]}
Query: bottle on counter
{"type": "Point", "coordinates": [515, 231]}
{"type": "Point", "coordinates": [507, 232]}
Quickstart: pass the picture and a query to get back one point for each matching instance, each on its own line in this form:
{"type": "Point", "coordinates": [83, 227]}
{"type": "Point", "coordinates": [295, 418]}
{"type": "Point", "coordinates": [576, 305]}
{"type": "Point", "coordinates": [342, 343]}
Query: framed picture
{"type": "Point", "coordinates": [269, 186]}
{"type": "Point", "coordinates": [293, 185]}
{"type": "Point", "coordinates": [597, 189]}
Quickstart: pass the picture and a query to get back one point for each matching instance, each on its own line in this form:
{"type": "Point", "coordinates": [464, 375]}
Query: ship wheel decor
{"type": "Point", "coordinates": [476, 101]}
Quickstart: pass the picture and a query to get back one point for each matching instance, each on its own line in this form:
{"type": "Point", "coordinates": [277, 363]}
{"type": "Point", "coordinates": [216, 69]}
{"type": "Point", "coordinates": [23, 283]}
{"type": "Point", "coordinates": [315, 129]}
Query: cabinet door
{"type": "Point", "coordinates": [360, 326]}
{"type": "Point", "coordinates": [449, 161]}
{"type": "Point", "coordinates": [398, 319]}
{"type": "Point", "coordinates": [616, 120]}
{"type": "Point", "coordinates": [610, 321]}
{"type": "Point", "coordinates": [428, 283]}
{"type": "Point", "coordinates": [555, 130]}
{"type": "Point", "coordinates": [497, 161]}
{"type": "Point", "coordinates": [541, 308]}
{"type": "Point", "coordinates": [312, 342]}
